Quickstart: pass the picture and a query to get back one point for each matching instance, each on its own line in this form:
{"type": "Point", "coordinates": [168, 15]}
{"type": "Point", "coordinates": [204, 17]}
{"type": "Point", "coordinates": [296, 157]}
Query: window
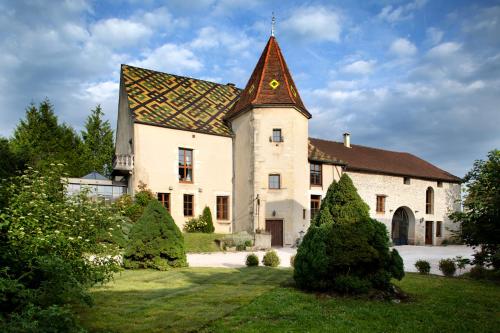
{"type": "Point", "coordinates": [438, 228]}
{"type": "Point", "coordinates": [315, 174]}
{"type": "Point", "coordinates": [277, 135]}
{"type": "Point", "coordinates": [188, 204]}
{"type": "Point", "coordinates": [439, 184]}
{"type": "Point", "coordinates": [381, 203]}
{"type": "Point", "coordinates": [429, 201]}
{"type": "Point", "coordinates": [315, 204]}
{"type": "Point", "coordinates": [164, 198]}
{"type": "Point", "coordinates": [274, 182]}
{"type": "Point", "coordinates": [222, 208]}
{"type": "Point", "coordinates": [185, 165]}
{"type": "Point", "coordinates": [406, 180]}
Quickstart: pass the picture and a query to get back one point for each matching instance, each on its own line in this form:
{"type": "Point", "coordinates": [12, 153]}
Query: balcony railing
{"type": "Point", "coordinates": [123, 162]}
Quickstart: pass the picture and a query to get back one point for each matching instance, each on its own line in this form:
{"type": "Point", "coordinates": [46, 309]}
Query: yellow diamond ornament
{"type": "Point", "coordinates": [274, 84]}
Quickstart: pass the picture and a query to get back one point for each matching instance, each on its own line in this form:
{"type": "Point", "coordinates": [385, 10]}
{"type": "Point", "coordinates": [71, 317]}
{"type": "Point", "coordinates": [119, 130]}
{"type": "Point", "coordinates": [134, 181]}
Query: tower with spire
{"type": "Point", "coordinates": [270, 145]}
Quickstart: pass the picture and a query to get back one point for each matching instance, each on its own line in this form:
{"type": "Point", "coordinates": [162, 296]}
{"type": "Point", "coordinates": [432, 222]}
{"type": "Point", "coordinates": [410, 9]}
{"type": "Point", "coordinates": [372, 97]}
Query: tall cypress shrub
{"type": "Point", "coordinates": [344, 249]}
{"type": "Point", "coordinates": [207, 217]}
{"type": "Point", "coordinates": [155, 241]}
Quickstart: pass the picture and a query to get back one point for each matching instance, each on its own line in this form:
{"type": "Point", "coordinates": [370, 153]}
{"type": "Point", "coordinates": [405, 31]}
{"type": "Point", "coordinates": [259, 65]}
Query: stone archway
{"type": "Point", "coordinates": [403, 227]}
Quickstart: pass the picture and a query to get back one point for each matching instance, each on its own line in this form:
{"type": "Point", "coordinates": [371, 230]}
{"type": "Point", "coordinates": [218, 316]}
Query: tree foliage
{"type": "Point", "coordinates": [51, 248]}
{"type": "Point", "coordinates": [98, 147]}
{"type": "Point", "coordinates": [40, 140]}
{"type": "Point", "coordinates": [10, 162]}
{"type": "Point", "coordinates": [342, 203]}
{"type": "Point", "coordinates": [155, 241]}
{"type": "Point", "coordinates": [480, 220]}
{"type": "Point", "coordinates": [344, 249]}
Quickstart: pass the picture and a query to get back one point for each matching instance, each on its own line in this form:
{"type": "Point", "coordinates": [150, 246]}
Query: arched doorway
{"type": "Point", "coordinates": [400, 226]}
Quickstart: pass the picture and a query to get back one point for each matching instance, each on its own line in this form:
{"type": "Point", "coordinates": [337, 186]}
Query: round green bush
{"type": "Point", "coordinates": [423, 266]}
{"type": "Point", "coordinates": [344, 250]}
{"type": "Point", "coordinates": [447, 267]}
{"type": "Point", "coordinates": [252, 260]}
{"type": "Point", "coordinates": [478, 272]}
{"type": "Point", "coordinates": [155, 241]}
{"type": "Point", "coordinates": [271, 259]}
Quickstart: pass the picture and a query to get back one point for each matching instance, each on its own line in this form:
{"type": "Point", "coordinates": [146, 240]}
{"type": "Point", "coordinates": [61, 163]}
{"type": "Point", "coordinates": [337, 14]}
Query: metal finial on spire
{"type": "Point", "coordinates": [273, 23]}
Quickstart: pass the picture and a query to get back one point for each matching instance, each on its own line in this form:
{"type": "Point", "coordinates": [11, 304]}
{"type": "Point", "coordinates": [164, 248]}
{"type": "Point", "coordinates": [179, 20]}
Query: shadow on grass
{"type": "Point", "coordinates": [179, 300]}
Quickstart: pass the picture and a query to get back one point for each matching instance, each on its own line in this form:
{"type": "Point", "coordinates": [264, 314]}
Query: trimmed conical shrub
{"type": "Point", "coordinates": [207, 217]}
{"type": "Point", "coordinates": [344, 249]}
{"type": "Point", "coordinates": [343, 202]}
{"type": "Point", "coordinates": [155, 241]}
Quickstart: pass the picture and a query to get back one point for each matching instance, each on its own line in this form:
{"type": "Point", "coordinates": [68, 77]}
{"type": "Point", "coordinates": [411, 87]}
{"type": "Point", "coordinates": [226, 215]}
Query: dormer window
{"type": "Point", "coordinates": [277, 135]}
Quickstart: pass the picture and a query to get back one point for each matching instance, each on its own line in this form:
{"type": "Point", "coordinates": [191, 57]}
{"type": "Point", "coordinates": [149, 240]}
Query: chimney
{"type": "Point", "coordinates": [347, 140]}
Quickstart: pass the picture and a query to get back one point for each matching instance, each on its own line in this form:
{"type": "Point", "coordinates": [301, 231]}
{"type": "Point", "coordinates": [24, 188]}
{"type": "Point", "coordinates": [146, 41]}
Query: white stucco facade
{"type": "Point", "coordinates": [156, 157]}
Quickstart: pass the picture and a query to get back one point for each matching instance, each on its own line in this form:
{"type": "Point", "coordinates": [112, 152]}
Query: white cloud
{"type": "Point", "coordinates": [313, 23]}
{"type": "Point", "coordinates": [212, 38]}
{"type": "Point", "coordinates": [170, 58]}
{"type": "Point", "coordinates": [100, 91]}
{"type": "Point", "coordinates": [434, 35]}
{"type": "Point", "coordinates": [400, 13]}
{"type": "Point", "coordinates": [360, 67]}
{"type": "Point", "coordinates": [444, 50]}
{"type": "Point", "coordinates": [402, 47]}
{"type": "Point", "coordinates": [117, 32]}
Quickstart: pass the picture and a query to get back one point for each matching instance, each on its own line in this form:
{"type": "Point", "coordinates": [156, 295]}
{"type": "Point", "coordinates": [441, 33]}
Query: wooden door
{"type": "Point", "coordinates": [275, 227]}
{"type": "Point", "coordinates": [428, 232]}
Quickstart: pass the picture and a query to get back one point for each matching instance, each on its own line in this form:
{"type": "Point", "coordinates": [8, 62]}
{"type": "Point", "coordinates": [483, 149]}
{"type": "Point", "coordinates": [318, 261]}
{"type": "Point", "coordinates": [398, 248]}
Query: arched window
{"type": "Point", "coordinates": [429, 201]}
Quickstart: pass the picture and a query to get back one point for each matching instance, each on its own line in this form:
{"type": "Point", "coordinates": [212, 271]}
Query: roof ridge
{"type": "Point", "coordinates": [362, 146]}
{"type": "Point", "coordinates": [183, 76]}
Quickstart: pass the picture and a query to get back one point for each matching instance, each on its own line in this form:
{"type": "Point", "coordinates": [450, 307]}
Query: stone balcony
{"type": "Point", "coordinates": [123, 162]}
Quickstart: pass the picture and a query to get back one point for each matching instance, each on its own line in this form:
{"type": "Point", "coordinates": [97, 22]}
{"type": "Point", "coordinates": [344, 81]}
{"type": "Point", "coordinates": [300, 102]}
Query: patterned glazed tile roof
{"type": "Point", "coordinates": [374, 160]}
{"type": "Point", "coordinates": [316, 155]}
{"type": "Point", "coordinates": [178, 102]}
{"type": "Point", "coordinates": [270, 84]}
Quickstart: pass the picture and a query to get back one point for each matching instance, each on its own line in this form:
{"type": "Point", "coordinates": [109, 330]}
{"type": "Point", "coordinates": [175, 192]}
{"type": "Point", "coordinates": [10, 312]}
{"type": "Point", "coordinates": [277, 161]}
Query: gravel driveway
{"type": "Point", "coordinates": [409, 253]}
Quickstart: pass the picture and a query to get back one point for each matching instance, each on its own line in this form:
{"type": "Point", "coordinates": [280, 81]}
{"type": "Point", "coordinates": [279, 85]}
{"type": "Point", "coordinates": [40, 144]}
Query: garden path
{"type": "Point", "coordinates": [409, 253]}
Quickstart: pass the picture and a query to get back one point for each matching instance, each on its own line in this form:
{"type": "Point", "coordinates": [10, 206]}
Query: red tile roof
{"type": "Point", "coordinates": [373, 160]}
{"type": "Point", "coordinates": [270, 84]}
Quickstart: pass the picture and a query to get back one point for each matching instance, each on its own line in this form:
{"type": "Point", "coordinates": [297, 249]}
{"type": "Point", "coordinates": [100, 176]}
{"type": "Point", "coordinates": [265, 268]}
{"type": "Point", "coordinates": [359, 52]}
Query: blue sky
{"type": "Point", "coordinates": [417, 76]}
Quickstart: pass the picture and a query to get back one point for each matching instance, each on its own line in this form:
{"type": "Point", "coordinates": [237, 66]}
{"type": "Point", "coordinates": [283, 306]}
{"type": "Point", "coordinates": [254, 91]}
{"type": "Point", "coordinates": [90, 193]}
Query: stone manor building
{"type": "Point", "coordinates": [248, 156]}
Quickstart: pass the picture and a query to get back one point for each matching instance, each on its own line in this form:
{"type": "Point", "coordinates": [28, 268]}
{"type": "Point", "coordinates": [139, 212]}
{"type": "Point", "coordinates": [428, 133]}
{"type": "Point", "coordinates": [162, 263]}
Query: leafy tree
{"type": "Point", "coordinates": [10, 162]}
{"type": "Point", "coordinates": [98, 147]}
{"type": "Point", "coordinates": [480, 220]}
{"type": "Point", "coordinates": [345, 250]}
{"type": "Point", "coordinates": [40, 140]}
{"type": "Point", "coordinates": [155, 241]}
{"type": "Point", "coordinates": [46, 243]}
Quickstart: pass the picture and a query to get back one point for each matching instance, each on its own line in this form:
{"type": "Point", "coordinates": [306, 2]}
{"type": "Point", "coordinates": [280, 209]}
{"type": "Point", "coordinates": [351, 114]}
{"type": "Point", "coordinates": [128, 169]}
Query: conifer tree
{"type": "Point", "coordinates": [344, 249]}
{"type": "Point", "coordinates": [343, 203]}
{"type": "Point", "coordinates": [155, 241]}
{"type": "Point", "coordinates": [98, 144]}
{"type": "Point", "coordinates": [40, 140]}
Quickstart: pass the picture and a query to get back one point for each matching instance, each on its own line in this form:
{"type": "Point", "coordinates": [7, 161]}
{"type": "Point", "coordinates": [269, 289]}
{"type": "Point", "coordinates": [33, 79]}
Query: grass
{"type": "Point", "coordinates": [257, 299]}
{"type": "Point", "coordinates": [201, 242]}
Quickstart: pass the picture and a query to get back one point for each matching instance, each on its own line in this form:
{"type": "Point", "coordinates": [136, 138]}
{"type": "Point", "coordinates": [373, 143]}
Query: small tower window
{"type": "Point", "coordinates": [274, 181]}
{"type": "Point", "coordinates": [277, 135]}
{"type": "Point", "coordinates": [406, 180]}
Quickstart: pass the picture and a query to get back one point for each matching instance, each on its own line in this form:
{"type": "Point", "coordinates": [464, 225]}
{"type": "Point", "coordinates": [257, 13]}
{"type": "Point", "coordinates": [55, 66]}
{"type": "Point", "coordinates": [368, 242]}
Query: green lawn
{"type": "Point", "coordinates": [260, 299]}
{"type": "Point", "coordinates": [201, 242]}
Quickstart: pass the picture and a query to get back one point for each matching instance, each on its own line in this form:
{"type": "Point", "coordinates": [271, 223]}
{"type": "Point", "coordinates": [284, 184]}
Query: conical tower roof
{"type": "Point", "coordinates": [270, 84]}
